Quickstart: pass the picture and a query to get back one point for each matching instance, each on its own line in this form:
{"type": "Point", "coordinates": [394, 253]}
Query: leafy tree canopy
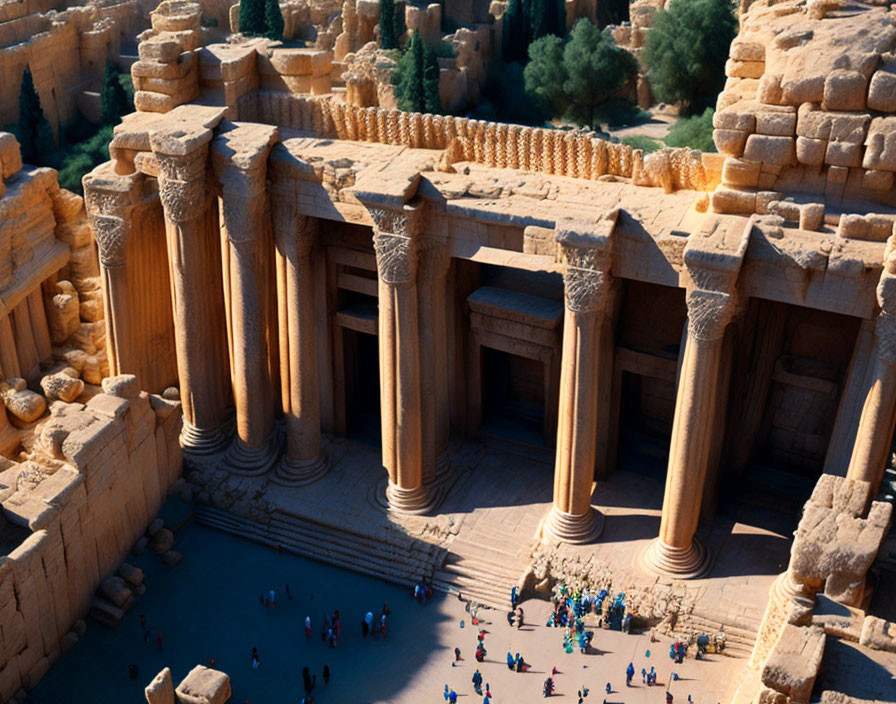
{"type": "Point", "coordinates": [574, 77]}
{"type": "Point", "coordinates": [273, 20]}
{"type": "Point", "coordinates": [252, 14]}
{"type": "Point", "coordinates": [116, 102]}
{"type": "Point", "coordinates": [34, 131]}
{"type": "Point", "coordinates": [686, 49]}
{"type": "Point", "coordinates": [387, 25]}
{"type": "Point", "coordinates": [694, 132]}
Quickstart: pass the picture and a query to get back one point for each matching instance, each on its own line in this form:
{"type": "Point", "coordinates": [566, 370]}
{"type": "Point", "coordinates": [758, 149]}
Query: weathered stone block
{"type": "Point", "coordinates": [780, 124]}
{"type": "Point", "coordinates": [729, 142]}
{"type": "Point", "coordinates": [744, 69]}
{"type": "Point", "coordinates": [844, 90]}
{"type": "Point", "coordinates": [204, 686]}
{"type": "Point", "coordinates": [161, 689]}
{"type": "Point", "coordinates": [810, 151]}
{"type": "Point", "coordinates": [794, 662]}
{"type": "Point", "coordinates": [770, 150]}
{"type": "Point", "coordinates": [882, 91]}
{"type": "Point", "coordinates": [740, 173]}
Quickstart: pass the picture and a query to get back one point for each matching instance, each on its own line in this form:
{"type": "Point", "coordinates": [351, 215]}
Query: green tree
{"type": "Point", "coordinates": [544, 18]}
{"type": "Point", "coordinates": [387, 25]}
{"type": "Point", "coordinates": [408, 77]}
{"type": "Point", "coordinates": [273, 20]}
{"type": "Point", "coordinates": [577, 75]}
{"type": "Point", "coordinates": [252, 17]}
{"type": "Point", "coordinates": [513, 32]}
{"type": "Point", "coordinates": [399, 28]}
{"type": "Point", "coordinates": [115, 99]}
{"type": "Point", "coordinates": [694, 132]}
{"type": "Point", "coordinates": [432, 102]}
{"type": "Point", "coordinates": [34, 132]}
{"type": "Point", "coordinates": [686, 49]}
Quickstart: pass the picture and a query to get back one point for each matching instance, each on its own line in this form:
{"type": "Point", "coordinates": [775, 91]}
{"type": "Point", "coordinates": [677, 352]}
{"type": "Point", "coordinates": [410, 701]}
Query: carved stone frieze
{"type": "Point", "coordinates": [110, 232]}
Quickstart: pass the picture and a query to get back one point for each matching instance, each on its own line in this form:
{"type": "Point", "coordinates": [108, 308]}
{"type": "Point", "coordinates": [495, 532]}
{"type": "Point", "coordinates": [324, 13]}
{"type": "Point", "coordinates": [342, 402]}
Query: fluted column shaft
{"type": "Point", "coordinates": [399, 347]}
{"type": "Point", "coordinates": [713, 260]}
{"type": "Point", "coordinates": [875, 432]}
{"type": "Point", "coordinates": [295, 236]}
{"type": "Point", "coordinates": [194, 258]}
{"type": "Point", "coordinates": [239, 157]}
{"type": "Point", "coordinates": [588, 291]}
{"type": "Point", "coordinates": [435, 420]}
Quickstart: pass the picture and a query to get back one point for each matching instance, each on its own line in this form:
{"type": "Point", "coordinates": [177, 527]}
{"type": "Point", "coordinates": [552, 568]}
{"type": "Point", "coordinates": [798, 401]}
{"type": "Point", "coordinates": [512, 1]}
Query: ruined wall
{"type": "Point", "coordinates": [806, 110]}
{"type": "Point", "coordinates": [99, 474]}
{"type": "Point", "coordinates": [66, 51]}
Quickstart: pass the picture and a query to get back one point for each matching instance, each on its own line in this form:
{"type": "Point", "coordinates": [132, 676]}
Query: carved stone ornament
{"type": "Point", "coordinates": [182, 200]}
{"type": "Point", "coordinates": [586, 290]}
{"type": "Point", "coordinates": [109, 232]}
{"type": "Point", "coordinates": [709, 313]}
{"type": "Point", "coordinates": [395, 258]}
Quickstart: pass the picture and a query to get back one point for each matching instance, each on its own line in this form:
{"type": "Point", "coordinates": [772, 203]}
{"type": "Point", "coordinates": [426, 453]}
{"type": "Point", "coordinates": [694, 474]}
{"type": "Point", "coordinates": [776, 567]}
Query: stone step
{"type": "Point", "coordinates": [714, 623]}
{"type": "Point", "coordinates": [499, 589]}
{"type": "Point", "coordinates": [484, 552]}
{"type": "Point", "coordinates": [474, 567]}
{"type": "Point", "coordinates": [327, 545]}
{"type": "Point", "coordinates": [414, 552]}
{"type": "Point", "coordinates": [488, 599]}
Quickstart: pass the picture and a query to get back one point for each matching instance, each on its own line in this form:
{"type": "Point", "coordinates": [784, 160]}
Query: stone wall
{"type": "Point", "coordinates": [66, 51]}
{"type": "Point", "coordinates": [806, 108]}
{"type": "Point", "coordinates": [99, 473]}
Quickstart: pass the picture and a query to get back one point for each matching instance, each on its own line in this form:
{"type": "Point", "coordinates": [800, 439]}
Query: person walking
{"type": "Point", "coordinates": [514, 596]}
{"type": "Point", "coordinates": [457, 657]}
{"type": "Point", "coordinates": [306, 680]}
{"type": "Point", "coordinates": [255, 661]}
{"type": "Point", "coordinates": [643, 675]}
{"type": "Point", "coordinates": [365, 627]}
{"type": "Point", "coordinates": [519, 617]}
{"type": "Point", "coordinates": [383, 626]}
{"type": "Point", "coordinates": [629, 674]}
{"type": "Point", "coordinates": [368, 619]}
{"type": "Point", "coordinates": [668, 697]}
{"type": "Point", "coordinates": [307, 628]}
{"type": "Point", "coordinates": [477, 682]}
{"type": "Point", "coordinates": [326, 674]}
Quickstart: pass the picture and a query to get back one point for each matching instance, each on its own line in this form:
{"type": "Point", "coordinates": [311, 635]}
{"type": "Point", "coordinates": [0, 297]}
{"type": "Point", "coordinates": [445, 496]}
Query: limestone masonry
{"type": "Point", "coordinates": [276, 258]}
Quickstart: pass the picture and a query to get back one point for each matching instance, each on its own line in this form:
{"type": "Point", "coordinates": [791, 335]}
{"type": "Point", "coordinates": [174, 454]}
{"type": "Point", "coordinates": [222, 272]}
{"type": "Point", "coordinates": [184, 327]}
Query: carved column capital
{"type": "Point", "coordinates": [586, 251]}
{"type": "Point", "coordinates": [109, 200]}
{"type": "Point", "coordinates": [182, 157]}
{"type": "Point", "coordinates": [110, 233]}
{"type": "Point", "coordinates": [709, 313]}
{"type": "Point", "coordinates": [395, 235]}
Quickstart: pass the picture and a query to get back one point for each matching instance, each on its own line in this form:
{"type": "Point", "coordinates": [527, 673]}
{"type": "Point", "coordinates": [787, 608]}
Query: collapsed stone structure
{"type": "Point", "coordinates": [834, 545]}
{"type": "Point", "coordinates": [66, 50]}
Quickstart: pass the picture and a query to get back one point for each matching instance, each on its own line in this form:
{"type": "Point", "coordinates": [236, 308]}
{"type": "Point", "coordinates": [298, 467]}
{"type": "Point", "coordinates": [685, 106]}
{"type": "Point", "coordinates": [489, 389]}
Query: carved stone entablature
{"type": "Point", "coordinates": [709, 313]}
{"type": "Point", "coordinates": [715, 252]}
{"type": "Point", "coordinates": [396, 258]}
{"type": "Point", "coordinates": [886, 299]}
{"type": "Point", "coordinates": [110, 232]}
{"type": "Point", "coordinates": [406, 222]}
{"type": "Point", "coordinates": [586, 251]}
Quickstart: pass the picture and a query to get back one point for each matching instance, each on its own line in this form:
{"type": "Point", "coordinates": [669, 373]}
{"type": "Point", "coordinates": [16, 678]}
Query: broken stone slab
{"type": "Point", "coordinates": [878, 634]}
{"type": "Point", "coordinates": [161, 689]}
{"type": "Point", "coordinates": [794, 662]}
{"type": "Point", "coordinates": [115, 590]}
{"type": "Point", "coordinates": [130, 574]}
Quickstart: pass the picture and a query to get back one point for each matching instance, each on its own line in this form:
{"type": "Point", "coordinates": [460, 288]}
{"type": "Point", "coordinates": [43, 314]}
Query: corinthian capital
{"type": "Point", "coordinates": [709, 313]}
{"type": "Point", "coordinates": [110, 233]}
{"type": "Point", "coordinates": [586, 251]}
{"type": "Point", "coordinates": [396, 258]}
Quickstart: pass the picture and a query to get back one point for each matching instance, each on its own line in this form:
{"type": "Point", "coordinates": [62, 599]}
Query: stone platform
{"type": "Point", "coordinates": [490, 505]}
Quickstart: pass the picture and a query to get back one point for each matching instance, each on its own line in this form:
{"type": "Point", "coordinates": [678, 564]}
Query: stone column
{"type": "Point", "coordinates": [239, 156]}
{"type": "Point", "coordinates": [875, 432]}
{"type": "Point", "coordinates": [588, 291]}
{"type": "Point", "coordinates": [434, 260]}
{"type": "Point", "coordinates": [395, 241]}
{"type": "Point", "coordinates": [712, 259]}
{"type": "Point", "coordinates": [295, 236]}
{"type": "Point", "coordinates": [194, 260]}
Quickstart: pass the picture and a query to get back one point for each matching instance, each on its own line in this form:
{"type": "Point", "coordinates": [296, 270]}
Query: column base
{"type": "Point", "coordinates": [251, 461]}
{"type": "Point", "coordinates": [204, 441]}
{"type": "Point", "coordinates": [785, 588]}
{"type": "Point", "coordinates": [680, 563]}
{"type": "Point", "coordinates": [299, 473]}
{"type": "Point", "coordinates": [577, 529]}
{"type": "Point", "coordinates": [407, 500]}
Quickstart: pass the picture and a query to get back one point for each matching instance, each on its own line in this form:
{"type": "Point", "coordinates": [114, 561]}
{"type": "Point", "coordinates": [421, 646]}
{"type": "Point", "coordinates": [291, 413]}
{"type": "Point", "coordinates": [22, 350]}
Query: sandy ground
{"type": "Point", "coordinates": [208, 607]}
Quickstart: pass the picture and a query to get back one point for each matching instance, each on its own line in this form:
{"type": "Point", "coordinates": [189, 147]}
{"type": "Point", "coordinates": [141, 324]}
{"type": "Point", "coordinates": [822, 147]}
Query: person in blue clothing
{"type": "Point", "coordinates": [629, 674]}
{"type": "Point", "coordinates": [477, 682]}
{"type": "Point", "coordinates": [510, 661]}
{"type": "Point", "coordinates": [514, 596]}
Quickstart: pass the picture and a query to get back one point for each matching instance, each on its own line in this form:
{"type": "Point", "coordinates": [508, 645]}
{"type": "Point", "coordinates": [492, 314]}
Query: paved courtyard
{"type": "Point", "coordinates": [208, 607]}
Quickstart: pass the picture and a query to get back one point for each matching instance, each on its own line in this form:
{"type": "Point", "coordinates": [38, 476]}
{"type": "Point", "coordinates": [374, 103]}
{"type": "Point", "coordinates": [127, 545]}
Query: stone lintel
{"type": "Point", "coordinates": [242, 146]}
{"type": "Point", "coordinates": [715, 252]}
{"type": "Point", "coordinates": [587, 245]}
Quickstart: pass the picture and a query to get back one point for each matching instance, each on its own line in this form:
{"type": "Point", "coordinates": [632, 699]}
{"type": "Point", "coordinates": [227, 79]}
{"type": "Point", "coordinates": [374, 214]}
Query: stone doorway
{"type": "Point", "coordinates": [513, 397]}
{"type": "Point", "coordinates": [646, 411]}
{"type": "Point", "coordinates": [362, 386]}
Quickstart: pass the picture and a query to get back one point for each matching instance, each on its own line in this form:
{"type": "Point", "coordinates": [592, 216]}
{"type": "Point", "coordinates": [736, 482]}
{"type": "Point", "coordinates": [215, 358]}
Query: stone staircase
{"type": "Point", "coordinates": [483, 566]}
{"type": "Point", "coordinates": [394, 556]}
{"type": "Point", "coordinates": [739, 639]}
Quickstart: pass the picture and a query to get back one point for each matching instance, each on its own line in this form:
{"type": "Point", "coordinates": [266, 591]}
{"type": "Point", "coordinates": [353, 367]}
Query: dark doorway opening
{"type": "Point", "coordinates": [646, 411]}
{"type": "Point", "coordinates": [362, 384]}
{"type": "Point", "coordinates": [513, 397]}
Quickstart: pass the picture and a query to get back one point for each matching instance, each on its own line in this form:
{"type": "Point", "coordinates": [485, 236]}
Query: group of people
{"type": "Point", "coordinates": [375, 625]}
{"type": "Point", "coordinates": [422, 592]}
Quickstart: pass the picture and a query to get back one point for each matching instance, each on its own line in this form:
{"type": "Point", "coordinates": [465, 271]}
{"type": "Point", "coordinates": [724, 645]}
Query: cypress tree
{"type": "Point", "coordinates": [387, 25]}
{"type": "Point", "coordinates": [273, 20]}
{"type": "Point", "coordinates": [513, 46]}
{"type": "Point", "coordinates": [115, 99]}
{"type": "Point", "coordinates": [35, 134]}
{"type": "Point", "coordinates": [399, 28]}
{"type": "Point", "coordinates": [408, 77]}
{"type": "Point", "coordinates": [432, 102]}
{"type": "Point", "coordinates": [252, 14]}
